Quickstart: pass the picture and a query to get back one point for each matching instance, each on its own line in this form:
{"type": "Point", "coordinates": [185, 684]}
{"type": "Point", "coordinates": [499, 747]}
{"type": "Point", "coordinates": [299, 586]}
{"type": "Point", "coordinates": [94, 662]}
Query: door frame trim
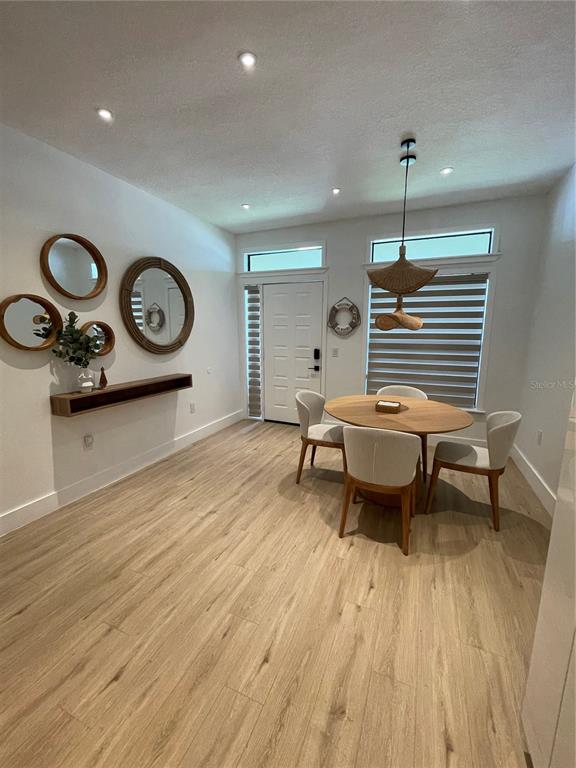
{"type": "Point", "coordinates": [283, 278]}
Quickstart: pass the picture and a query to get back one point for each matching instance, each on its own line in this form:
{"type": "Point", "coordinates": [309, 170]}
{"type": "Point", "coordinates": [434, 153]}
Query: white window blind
{"type": "Point", "coordinates": [443, 358]}
{"type": "Point", "coordinates": [137, 309]}
{"type": "Point", "coordinates": [252, 303]}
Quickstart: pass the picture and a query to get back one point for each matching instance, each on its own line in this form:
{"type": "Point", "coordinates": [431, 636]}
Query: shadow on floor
{"type": "Point", "coordinates": [455, 526]}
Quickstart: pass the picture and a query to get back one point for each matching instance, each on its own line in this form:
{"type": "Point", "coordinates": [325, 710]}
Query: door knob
{"type": "Point", "coordinates": [314, 368]}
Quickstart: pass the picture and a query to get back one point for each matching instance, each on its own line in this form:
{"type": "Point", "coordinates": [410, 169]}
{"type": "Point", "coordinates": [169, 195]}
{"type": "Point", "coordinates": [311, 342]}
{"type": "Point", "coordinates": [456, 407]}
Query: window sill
{"type": "Point", "coordinates": [284, 272]}
{"type": "Point", "coordinates": [478, 260]}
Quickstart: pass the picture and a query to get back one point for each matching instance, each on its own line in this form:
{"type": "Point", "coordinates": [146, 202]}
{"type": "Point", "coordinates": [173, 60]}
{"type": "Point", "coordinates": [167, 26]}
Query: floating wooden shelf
{"type": "Point", "coordinates": [75, 403]}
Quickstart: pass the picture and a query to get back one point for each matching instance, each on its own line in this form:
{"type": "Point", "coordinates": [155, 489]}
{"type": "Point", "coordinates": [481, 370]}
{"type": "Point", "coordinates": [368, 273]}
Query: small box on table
{"type": "Point", "coordinates": [388, 406]}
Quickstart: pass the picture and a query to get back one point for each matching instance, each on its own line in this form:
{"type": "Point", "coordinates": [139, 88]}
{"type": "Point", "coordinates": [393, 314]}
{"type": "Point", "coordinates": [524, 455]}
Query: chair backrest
{"type": "Point", "coordinates": [501, 428]}
{"type": "Point", "coordinates": [310, 407]}
{"type": "Point", "coordinates": [401, 390]}
{"type": "Point", "coordinates": [381, 456]}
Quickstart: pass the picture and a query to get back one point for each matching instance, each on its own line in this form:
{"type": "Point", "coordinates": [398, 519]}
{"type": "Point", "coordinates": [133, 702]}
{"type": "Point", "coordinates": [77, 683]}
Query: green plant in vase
{"type": "Point", "coordinates": [77, 348]}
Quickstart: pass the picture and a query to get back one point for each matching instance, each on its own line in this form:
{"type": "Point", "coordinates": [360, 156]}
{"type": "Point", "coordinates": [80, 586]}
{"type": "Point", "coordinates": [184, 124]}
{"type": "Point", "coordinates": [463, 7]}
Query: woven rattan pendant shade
{"type": "Point", "coordinates": [402, 276]}
{"type": "Point", "coordinates": [398, 319]}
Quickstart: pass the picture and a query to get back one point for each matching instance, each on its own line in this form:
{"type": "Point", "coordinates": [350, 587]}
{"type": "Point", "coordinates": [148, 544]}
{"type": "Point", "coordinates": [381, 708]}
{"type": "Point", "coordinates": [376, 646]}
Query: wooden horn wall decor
{"type": "Point", "coordinates": [402, 277]}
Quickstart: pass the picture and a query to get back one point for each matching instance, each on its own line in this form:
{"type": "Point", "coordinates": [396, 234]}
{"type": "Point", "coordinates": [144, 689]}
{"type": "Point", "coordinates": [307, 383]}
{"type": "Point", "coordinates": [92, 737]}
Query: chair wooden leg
{"type": "Point", "coordinates": [493, 481]}
{"type": "Point", "coordinates": [424, 441]}
{"type": "Point", "coordinates": [432, 487]}
{"type": "Point", "coordinates": [302, 457]}
{"type": "Point", "coordinates": [348, 491]}
{"type": "Point", "coordinates": [406, 504]}
{"type": "Point", "coordinates": [313, 455]}
{"type": "Point", "coordinates": [344, 462]}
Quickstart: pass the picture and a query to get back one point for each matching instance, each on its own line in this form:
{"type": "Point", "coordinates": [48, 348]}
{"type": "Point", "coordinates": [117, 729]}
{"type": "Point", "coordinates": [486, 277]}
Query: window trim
{"type": "Point", "coordinates": [247, 253]}
{"type": "Point", "coordinates": [437, 236]}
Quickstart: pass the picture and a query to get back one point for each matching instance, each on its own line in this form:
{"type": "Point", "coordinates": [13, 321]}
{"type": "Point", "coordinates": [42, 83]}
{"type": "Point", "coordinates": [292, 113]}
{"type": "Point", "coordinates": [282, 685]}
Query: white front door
{"type": "Point", "coordinates": [292, 330]}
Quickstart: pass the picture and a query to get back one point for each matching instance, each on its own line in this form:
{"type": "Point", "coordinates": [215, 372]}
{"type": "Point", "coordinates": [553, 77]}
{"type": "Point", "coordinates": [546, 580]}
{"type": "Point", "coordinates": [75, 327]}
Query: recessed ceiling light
{"type": "Point", "coordinates": [447, 171]}
{"type": "Point", "coordinates": [336, 191]}
{"type": "Point", "coordinates": [105, 115]}
{"type": "Point", "coordinates": [246, 206]}
{"type": "Point", "coordinates": [248, 60]}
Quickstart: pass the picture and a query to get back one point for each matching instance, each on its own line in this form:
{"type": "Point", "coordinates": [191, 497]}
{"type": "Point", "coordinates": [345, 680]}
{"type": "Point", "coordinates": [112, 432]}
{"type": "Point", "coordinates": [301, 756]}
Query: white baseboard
{"type": "Point", "coordinates": [19, 516]}
{"type": "Point", "coordinates": [540, 487]}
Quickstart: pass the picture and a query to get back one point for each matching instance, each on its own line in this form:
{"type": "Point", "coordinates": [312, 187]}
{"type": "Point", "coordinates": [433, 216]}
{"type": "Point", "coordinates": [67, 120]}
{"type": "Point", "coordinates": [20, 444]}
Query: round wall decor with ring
{"type": "Point", "coordinates": [344, 317]}
{"type": "Point", "coordinates": [155, 318]}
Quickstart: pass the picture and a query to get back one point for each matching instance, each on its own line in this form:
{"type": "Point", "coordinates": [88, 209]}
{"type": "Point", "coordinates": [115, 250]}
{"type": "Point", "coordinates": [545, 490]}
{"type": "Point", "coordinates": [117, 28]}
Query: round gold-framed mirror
{"type": "Point", "coordinates": [29, 322]}
{"type": "Point", "coordinates": [73, 266]}
{"type": "Point", "coordinates": [156, 305]}
{"type": "Point", "coordinates": [104, 334]}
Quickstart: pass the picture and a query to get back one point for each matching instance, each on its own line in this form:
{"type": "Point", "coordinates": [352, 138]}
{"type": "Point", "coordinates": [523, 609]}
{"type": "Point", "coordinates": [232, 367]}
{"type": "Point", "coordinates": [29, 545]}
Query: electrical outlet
{"type": "Point", "coordinates": [335, 352]}
{"type": "Point", "coordinates": [539, 436]}
{"type": "Point", "coordinates": [192, 407]}
{"type": "Point", "coordinates": [88, 441]}
{"type": "Point", "coordinates": [208, 371]}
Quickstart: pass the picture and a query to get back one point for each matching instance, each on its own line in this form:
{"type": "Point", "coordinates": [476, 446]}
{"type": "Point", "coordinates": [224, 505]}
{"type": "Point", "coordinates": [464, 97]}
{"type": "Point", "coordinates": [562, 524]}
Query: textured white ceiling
{"type": "Point", "coordinates": [487, 87]}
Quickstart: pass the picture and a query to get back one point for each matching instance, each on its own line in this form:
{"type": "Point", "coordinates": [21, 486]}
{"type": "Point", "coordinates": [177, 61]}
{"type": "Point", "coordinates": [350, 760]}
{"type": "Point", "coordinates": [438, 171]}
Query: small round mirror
{"type": "Point", "coordinates": [157, 305]}
{"type": "Point", "coordinates": [29, 322]}
{"type": "Point", "coordinates": [73, 266]}
{"type": "Point", "coordinates": [103, 333]}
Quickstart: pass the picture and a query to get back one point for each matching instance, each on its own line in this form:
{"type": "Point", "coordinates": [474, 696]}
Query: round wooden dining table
{"type": "Point", "coordinates": [419, 417]}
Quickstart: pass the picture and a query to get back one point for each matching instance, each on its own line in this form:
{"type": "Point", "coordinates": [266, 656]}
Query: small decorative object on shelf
{"type": "Point", "coordinates": [78, 348]}
{"type": "Point", "coordinates": [85, 381]}
{"type": "Point", "coordinates": [388, 406]}
{"type": "Point", "coordinates": [103, 383]}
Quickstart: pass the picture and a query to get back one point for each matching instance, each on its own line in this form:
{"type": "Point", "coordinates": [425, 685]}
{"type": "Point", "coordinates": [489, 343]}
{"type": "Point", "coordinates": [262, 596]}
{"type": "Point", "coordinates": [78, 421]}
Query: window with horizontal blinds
{"type": "Point", "coordinates": [137, 309]}
{"type": "Point", "coordinates": [252, 304]}
{"type": "Point", "coordinates": [443, 358]}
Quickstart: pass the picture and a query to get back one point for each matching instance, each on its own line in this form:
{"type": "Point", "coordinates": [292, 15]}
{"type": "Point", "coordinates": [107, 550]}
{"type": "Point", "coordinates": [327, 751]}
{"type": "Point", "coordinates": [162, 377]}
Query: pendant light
{"type": "Point", "coordinates": [401, 277]}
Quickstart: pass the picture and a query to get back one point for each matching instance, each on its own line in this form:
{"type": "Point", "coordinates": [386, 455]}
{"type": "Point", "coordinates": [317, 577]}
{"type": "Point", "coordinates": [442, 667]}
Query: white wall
{"type": "Point", "coordinates": [520, 225]}
{"type": "Point", "coordinates": [43, 462]}
{"type": "Point", "coordinates": [549, 374]}
{"type": "Point", "coordinates": [548, 708]}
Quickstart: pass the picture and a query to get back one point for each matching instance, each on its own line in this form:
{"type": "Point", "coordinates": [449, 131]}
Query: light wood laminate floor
{"type": "Point", "coordinates": [204, 614]}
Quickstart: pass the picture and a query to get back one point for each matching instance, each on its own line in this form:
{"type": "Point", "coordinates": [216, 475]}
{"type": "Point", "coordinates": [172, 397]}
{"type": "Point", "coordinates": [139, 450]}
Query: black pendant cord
{"type": "Point", "coordinates": [405, 193]}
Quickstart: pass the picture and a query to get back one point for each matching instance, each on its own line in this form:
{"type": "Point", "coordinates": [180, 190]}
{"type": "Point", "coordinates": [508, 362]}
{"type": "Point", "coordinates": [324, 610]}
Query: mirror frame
{"type": "Point", "coordinates": [130, 276]}
{"type": "Point", "coordinates": [110, 338]}
{"type": "Point", "coordinates": [101, 280]}
{"type": "Point", "coordinates": [51, 311]}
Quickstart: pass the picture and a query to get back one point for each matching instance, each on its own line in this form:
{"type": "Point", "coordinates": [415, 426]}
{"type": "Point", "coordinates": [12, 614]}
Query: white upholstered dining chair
{"type": "Point", "coordinates": [402, 390]}
{"type": "Point", "coordinates": [501, 429]}
{"type": "Point", "coordinates": [313, 431]}
{"type": "Point", "coordinates": [381, 461]}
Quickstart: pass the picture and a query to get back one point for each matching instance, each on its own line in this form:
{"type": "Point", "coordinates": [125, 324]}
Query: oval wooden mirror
{"type": "Point", "coordinates": [103, 333]}
{"type": "Point", "coordinates": [29, 322]}
{"type": "Point", "coordinates": [157, 305]}
{"type": "Point", "coordinates": [73, 266]}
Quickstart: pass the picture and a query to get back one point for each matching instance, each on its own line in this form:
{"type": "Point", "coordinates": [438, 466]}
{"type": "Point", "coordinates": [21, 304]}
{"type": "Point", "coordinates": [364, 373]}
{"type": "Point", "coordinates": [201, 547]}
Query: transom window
{"type": "Point", "coordinates": [306, 257]}
{"type": "Point", "coordinates": [435, 246]}
{"type": "Point", "coordinates": [443, 358]}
